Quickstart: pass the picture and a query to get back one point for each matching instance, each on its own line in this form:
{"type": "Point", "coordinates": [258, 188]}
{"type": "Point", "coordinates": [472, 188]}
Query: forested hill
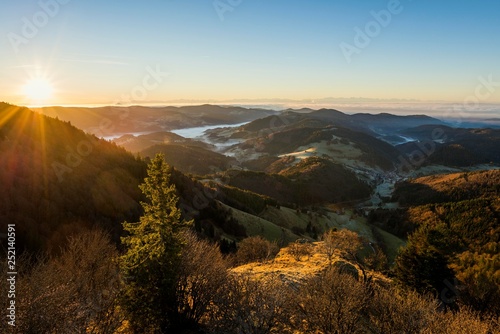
{"type": "Point", "coordinates": [456, 244]}
{"type": "Point", "coordinates": [55, 179]}
{"type": "Point", "coordinates": [449, 188]}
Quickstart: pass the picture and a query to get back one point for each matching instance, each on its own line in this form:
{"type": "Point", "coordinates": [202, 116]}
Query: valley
{"type": "Point", "coordinates": [296, 158]}
{"type": "Point", "coordinates": [285, 181]}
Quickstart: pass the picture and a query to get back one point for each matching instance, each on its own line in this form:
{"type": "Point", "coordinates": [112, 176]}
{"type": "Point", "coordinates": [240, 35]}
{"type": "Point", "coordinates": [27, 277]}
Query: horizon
{"type": "Point", "coordinates": [63, 52]}
{"type": "Point", "coordinates": [443, 111]}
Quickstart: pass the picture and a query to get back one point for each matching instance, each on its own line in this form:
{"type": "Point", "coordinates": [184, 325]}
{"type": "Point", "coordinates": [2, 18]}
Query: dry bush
{"type": "Point", "coordinates": [251, 307]}
{"type": "Point", "coordinates": [346, 242]}
{"type": "Point", "coordinates": [329, 246]}
{"type": "Point", "coordinates": [74, 292]}
{"type": "Point", "coordinates": [300, 249]}
{"type": "Point", "coordinates": [377, 261]}
{"type": "Point", "coordinates": [464, 321]}
{"type": "Point", "coordinates": [331, 303]}
{"type": "Point", "coordinates": [394, 311]}
{"type": "Point", "coordinates": [255, 249]}
{"type": "Point", "coordinates": [203, 275]}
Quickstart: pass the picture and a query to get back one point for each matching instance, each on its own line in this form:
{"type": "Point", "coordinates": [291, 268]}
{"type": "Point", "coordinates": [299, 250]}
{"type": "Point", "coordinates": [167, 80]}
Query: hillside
{"type": "Point", "coordinates": [341, 145]}
{"type": "Point", "coordinates": [311, 181]}
{"type": "Point", "coordinates": [293, 269]}
{"type": "Point", "coordinates": [191, 159]}
{"type": "Point", "coordinates": [456, 146]}
{"type": "Point", "coordinates": [138, 143]}
{"type": "Point", "coordinates": [448, 188]}
{"type": "Point", "coordinates": [379, 124]}
{"type": "Point", "coordinates": [456, 218]}
{"type": "Point", "coordinates": [55, 180]}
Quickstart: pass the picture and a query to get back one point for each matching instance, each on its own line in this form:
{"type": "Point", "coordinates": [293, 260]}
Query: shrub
{"type": "Point", "coordinates": [299, 249]}
{"type": "Point", "coordinates": [255, 249]}
{"type": "Point", "coordinates": [331, 303]}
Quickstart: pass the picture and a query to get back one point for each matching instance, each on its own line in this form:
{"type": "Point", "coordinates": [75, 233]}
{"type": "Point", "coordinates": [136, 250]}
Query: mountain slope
{"type": "Point", "coordinates": [311, 181]}
{"type": "Point", "coordinates": [457, 237]}
{"type": "Point", "coordinates": [191, 159]}
{"type": "Point", "coordinates": [56, 179]}
{"type": "Point", "coordinates": [138, 143]}
{"type": "Point", "coordinates": [456, 146]}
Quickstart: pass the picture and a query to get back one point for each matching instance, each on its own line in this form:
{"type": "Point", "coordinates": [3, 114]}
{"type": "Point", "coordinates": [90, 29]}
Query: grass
{"type": "Point", "coordinates": [287, 268]}
{"type": "Point", "coordinates": [258, 226]}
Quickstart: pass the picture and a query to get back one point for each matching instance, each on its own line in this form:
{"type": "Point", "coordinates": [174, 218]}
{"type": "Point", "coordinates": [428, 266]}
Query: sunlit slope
{"type": "Point", "coordinates": [55, 179]}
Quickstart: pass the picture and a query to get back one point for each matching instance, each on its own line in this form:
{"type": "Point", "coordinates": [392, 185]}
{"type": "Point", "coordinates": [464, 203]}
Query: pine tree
{"type": "Point", "coordinates": [153, 253]}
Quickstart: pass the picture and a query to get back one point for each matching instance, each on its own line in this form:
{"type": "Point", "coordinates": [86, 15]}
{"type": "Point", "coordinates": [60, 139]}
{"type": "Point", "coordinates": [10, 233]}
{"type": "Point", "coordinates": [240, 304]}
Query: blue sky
{"type": "Point", "coordinates": [99, 51]}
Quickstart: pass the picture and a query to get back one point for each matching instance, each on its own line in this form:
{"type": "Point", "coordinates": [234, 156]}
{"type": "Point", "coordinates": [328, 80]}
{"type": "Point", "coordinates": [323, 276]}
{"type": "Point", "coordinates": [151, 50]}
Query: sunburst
{"type": "Point", "coordinates": [38, 90]}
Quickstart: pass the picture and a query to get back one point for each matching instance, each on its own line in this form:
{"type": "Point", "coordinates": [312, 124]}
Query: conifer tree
{"type": "Point", "coordinates": [151, 262]}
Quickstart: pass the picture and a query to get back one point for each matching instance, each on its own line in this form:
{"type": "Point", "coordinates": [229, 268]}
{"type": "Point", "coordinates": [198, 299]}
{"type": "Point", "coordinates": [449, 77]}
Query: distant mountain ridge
{"type": "Point", "coordinates": [111, 120]}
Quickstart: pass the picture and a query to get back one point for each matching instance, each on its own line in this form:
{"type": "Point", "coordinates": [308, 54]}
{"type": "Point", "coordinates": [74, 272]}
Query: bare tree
{"type": "Point", "coordinates": [249, 306]}
{"type": "Point", "coordinates": [463, 321]}
{"type": "Point", "coordinates": [203, 275]}
{"type": "Point", "coordinates": [255, 249]}
{"type": "Point", "coordinates": [348, 244]}
{"type": "Point", "coordinates": [329, 244]}
{"type": "Point", "coordinates": [300, 249]}
{"type": "Point", "coordinates": [74, 292]}
{"type": "Point", "coordinates": [331, 303]}
{"type": "Point", "coordinates": [395, 311]}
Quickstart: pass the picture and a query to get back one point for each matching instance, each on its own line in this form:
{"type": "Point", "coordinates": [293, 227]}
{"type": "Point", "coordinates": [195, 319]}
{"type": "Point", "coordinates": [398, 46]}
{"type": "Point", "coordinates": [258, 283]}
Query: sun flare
{"type": "Point", "coordinates": [38, 90]}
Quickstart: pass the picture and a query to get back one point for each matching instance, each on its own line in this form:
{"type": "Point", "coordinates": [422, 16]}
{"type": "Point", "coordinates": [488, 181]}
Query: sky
{"type": "Point", "coordinates": [58, 52]}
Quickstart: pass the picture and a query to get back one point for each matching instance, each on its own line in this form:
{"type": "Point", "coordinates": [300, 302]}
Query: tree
{"type": "Point", "coordinates": [299, 249]}
{"type": "Point", "coordinates": [348, 243]}
{"type": "Point", "coordinates": [396, 311]}
{"type": "Point", "coordinates": [423, 268]}
{"type": "Point", "coordinates": [329, 244]}
{"type": "Point", "coordinates": [250, 306]}
{"type": "Point", "coordinates": [479, 275]}
{"type": "Point", "coordinates": [255, 249]}
{"type": "Point", "coordinates": [203, 275]}
{"type": "Point", "coordinates": [153, 254]}
{"type": "Point", "coordinates": [331, 303]}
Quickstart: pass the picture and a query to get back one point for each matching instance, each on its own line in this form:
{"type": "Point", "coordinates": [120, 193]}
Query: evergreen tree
{"type": "Point", "coordinates": [153, 253]}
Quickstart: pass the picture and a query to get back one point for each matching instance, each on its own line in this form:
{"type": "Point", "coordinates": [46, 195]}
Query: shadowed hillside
{"type": "Point", "coordinates": [311, 181]}
{"type": "Point", "coordinates": [55, 179]}
{"type": "Point", "coordinates": [191, 159]}
{"type": "Point", "coordinates": [138, 143]}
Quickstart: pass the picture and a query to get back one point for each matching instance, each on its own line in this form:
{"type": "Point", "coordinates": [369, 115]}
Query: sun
{"type": "Point", "coordinates": [38, 90]}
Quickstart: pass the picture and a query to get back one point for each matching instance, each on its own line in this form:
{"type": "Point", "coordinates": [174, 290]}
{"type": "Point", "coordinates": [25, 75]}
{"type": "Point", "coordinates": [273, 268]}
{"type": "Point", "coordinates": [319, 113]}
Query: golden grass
{"type": "Point", "coordinates": [288, 269]}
